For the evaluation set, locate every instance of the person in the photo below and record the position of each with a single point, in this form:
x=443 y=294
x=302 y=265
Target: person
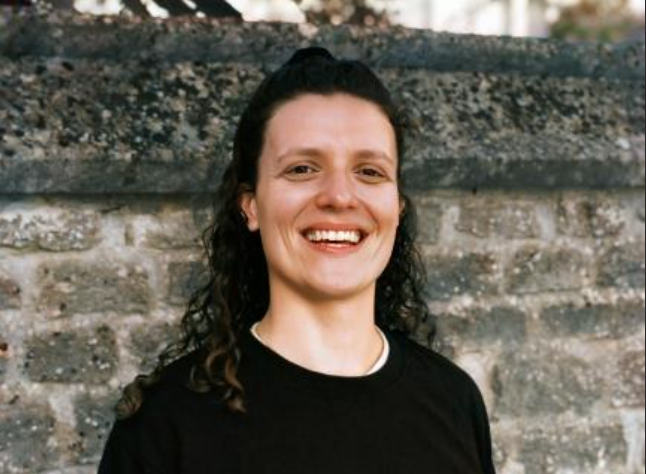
x=296 y=356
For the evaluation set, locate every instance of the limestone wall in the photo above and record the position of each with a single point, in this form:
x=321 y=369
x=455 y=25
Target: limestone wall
x=526 y=163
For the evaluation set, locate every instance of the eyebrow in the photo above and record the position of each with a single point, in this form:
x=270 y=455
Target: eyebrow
x=315 y=152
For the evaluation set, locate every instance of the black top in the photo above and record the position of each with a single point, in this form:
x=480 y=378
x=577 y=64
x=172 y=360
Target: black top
x=419 y=414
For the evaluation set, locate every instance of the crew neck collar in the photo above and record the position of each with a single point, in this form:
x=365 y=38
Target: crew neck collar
x=273 y=367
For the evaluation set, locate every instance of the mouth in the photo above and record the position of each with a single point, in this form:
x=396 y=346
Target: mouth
x=335 y=248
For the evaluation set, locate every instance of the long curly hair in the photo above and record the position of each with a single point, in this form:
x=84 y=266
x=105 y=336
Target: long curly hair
x=236 y=292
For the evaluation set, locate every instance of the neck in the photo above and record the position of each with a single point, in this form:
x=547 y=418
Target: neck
x=349 y=349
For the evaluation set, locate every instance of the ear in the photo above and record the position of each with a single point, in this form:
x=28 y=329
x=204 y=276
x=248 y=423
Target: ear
x=249 y=207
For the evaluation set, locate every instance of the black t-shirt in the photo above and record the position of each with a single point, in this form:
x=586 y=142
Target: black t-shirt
x=418 y=414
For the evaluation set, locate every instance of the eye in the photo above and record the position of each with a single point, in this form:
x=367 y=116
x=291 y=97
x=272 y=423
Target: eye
x=299 y=167
x=377 y=174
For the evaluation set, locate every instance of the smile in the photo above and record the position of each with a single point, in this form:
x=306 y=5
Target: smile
x=335 y=248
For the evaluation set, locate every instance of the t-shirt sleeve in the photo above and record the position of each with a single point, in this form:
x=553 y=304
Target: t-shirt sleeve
x=482 y=430
x=145 y=443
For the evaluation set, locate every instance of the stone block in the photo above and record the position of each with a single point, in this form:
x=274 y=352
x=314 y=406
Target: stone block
x=24 y=437
x=506 y=325
x=429 y=223
x=584 y=448
x=147 y=342
x=623 y=266
x=87 y=356
x=590 y=217
x=595 y=321
x=629 y=389
x=155 y=126
x=167 y=231
x=72 y=287
x=10 y=294
x=456 y=275
x=539 y=381
x=56 y=231
x=541 y=270
x=94 y=419
x=498 y=217
x=184 y=279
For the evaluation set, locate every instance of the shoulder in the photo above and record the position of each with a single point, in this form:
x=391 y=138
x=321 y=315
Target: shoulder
x=177 y=372
x=169 y=393
x=149 y=435
x=425 y=363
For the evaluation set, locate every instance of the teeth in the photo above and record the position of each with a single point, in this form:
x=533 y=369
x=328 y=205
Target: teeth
x=350 y=236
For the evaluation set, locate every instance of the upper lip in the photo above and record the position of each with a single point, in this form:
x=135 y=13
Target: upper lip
x=335 y=227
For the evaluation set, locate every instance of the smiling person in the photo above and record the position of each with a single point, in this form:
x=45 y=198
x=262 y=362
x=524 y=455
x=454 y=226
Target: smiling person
x=295 y=357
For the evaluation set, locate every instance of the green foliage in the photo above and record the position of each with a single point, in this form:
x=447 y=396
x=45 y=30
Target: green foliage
x=598 y=20
x=356 y=12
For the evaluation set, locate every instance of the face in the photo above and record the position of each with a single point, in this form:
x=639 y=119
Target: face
x=325 y=161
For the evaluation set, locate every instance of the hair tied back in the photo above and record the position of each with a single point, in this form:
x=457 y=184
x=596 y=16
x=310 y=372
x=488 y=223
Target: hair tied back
x=305 y=54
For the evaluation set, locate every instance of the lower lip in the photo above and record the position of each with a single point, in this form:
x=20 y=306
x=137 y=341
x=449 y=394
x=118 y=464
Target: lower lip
x=335 y=249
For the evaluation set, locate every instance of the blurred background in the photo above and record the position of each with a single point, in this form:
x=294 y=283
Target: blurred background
x=604 y=20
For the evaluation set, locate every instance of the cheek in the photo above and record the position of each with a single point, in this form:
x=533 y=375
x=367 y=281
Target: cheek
x=385 y=208
x=279 y=207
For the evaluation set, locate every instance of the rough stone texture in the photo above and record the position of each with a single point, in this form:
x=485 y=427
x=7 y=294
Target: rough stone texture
x=623 y=266
x=94 y=417
x=119 y=106
x=453 y=275
x=589 y=448
x=184 y=278
x=57 y=232
x=171 y=232
x=589 y=217
x=220 y=41
x=629 y=392
x=9 y=294
x=23 y=428
x=69 y=288
x=595 y=321
x=499 y=325
x=483 y=219
x=430 y=226
x=88 y=357
x=538 y=270
x=541 y=381
x=147 y=342
x=525 y=164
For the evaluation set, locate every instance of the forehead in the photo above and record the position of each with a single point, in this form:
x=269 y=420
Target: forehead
x=338 y=121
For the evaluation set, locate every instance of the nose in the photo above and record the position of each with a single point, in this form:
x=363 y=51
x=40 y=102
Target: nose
x=337 y=191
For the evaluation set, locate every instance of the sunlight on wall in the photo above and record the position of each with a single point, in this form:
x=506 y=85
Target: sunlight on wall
x=269 y=10
x=514 y=17
x=638 y=6
x=459 y=16
x=108 y=7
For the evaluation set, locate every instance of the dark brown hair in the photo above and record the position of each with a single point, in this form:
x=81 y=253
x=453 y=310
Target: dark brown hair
x=236 y=293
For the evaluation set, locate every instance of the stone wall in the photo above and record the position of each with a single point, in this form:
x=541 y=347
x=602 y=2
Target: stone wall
x=526 y=163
